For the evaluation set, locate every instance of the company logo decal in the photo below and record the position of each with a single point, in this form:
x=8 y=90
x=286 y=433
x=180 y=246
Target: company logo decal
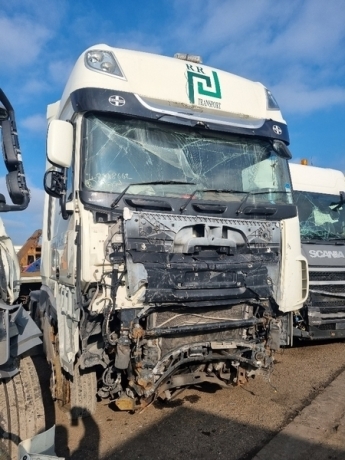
x=117 y=101
x=277 y=129
x=201 y=84
x=328 y=254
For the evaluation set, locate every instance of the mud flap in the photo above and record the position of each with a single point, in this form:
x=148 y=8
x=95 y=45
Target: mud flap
x=39 y=447
x=18 y=333
x=4 y=337
x=28 y=333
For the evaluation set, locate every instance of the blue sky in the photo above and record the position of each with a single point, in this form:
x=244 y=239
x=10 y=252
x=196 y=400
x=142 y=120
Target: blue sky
x=296 y=48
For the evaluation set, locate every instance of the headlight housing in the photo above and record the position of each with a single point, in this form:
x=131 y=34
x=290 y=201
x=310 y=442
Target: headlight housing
x=104 y=62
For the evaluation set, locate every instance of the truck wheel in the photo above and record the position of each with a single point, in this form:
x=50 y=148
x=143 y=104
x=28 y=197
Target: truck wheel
x=75 y=395
x=83 y=389
x=21 y=409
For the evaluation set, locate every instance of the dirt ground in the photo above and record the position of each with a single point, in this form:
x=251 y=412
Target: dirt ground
x=204 y=422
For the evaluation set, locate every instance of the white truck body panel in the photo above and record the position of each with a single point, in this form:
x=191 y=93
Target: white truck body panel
x=165 y=81
x=314 y=179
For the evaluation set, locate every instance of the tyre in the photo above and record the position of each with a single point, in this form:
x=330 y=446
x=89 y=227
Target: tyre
x=75 y=395
x=21 y=409
x=83 y=389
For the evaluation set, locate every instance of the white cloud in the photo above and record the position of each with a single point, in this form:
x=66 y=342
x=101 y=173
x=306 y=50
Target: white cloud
x=36 y=123
x=295 y=49
x=59 y=70
x=301 y=29
x=216 y=25
x=299 y=98
x=21 y=41
x=138 y=42
x=35 y=86
x=313 y=34
x=27 y=30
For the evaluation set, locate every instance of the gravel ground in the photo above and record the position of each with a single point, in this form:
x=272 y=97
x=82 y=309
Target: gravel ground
x=206 y=422
x=317 y=432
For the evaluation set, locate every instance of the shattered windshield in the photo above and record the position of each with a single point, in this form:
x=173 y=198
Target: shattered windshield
x=322 y=216
x=120 y=151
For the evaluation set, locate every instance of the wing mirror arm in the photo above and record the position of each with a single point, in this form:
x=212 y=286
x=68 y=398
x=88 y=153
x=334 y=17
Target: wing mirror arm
x=55 y=185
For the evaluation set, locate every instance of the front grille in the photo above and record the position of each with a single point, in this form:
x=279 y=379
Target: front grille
x=323 y=301
x=329 y=303
x=327 y=327
x=327 y=309
x=327 y=276
x=332 y=288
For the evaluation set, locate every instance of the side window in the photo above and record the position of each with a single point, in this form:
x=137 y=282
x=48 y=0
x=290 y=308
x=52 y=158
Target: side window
x=70 y=177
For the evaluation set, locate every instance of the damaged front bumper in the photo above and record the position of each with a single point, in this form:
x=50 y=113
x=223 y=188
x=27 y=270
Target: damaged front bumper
x=190 y=299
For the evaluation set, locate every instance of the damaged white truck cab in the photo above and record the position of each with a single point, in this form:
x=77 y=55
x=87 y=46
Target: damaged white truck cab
x=319 y=194
x=171 y=245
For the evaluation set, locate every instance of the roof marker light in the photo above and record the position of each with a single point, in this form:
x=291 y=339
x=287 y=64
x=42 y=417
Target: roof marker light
x=272 y=104
x=188 y=57
x=103 y=61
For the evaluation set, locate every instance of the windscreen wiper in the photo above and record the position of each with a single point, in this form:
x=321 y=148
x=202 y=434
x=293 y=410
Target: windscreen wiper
x=189 y=199
x=337 y=239
x=323 y=240
x=311 y=240
x=239 y=209
x=156 y=182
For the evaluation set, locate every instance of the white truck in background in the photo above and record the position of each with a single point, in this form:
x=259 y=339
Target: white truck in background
x=319 y=194
x=22 y=415
x=170 y=245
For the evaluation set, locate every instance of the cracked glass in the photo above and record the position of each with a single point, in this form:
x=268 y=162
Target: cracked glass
x=322 y=216
x=119 y=151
